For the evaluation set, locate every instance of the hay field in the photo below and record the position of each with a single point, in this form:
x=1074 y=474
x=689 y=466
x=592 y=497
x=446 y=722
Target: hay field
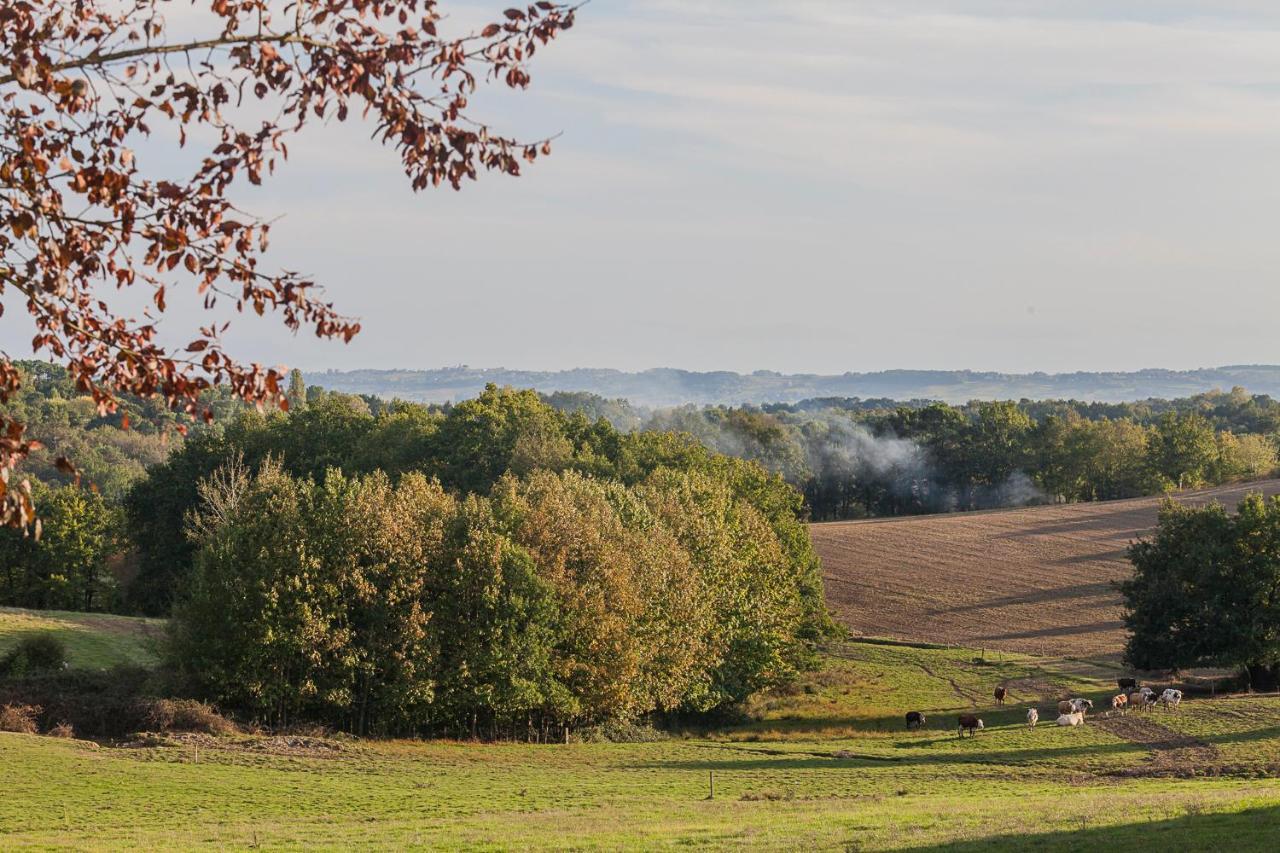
x=1035 y=580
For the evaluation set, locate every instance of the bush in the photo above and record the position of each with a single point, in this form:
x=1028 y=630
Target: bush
x=19 y=718
x=33 y=655
x=184 y=715
x=95 y=704
x=114 y=703
x=621 y=732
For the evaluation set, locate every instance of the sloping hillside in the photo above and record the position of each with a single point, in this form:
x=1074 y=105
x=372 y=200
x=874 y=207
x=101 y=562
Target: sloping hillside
x=1034 y=580
x=93 y=640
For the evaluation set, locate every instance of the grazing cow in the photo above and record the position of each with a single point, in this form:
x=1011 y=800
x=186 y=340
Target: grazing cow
x=915 y=719
x=1139 y=700
x=1000 y=694
x=969 y=723
x=1033 y=717
x=1171 y=698
x=1074 y=719
x=1147 y=691
x=1081 y=706
x=1119 y=702
x=1127 y=685
x=1064 y=707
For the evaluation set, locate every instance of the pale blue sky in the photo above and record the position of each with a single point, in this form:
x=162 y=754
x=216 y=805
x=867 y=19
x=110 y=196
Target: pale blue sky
x=828 y=185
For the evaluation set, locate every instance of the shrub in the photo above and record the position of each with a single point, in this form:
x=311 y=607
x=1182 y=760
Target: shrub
x=39 y=653
x=65 y=730
x=621 y=732
x=95 y=703
x=184 y=715
x=19 y=718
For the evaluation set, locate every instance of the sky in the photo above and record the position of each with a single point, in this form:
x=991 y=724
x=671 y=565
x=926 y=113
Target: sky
x=824 y=186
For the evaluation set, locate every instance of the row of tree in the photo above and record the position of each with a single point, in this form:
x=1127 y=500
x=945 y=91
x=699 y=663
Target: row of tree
x=470 y=569
x=395 y=606
x=852 y=463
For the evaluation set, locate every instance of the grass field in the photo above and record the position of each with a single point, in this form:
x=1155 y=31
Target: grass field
x=93 y=640
x=1036 y=580
x=825 y=764
x=822 y=764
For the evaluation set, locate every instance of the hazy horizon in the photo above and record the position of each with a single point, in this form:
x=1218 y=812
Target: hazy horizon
x=516 y=368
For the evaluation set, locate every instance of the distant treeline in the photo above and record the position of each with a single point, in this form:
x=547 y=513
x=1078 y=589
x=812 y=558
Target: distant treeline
x=855 y=458
x=663 y=387
x=845 y=458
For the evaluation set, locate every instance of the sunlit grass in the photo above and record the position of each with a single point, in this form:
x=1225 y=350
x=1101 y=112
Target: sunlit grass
x=825 y=765
x=93 y=640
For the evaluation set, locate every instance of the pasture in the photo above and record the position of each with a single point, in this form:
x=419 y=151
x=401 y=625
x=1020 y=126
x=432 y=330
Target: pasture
x=93 y=640
x=824 y=764
x=1036 y=580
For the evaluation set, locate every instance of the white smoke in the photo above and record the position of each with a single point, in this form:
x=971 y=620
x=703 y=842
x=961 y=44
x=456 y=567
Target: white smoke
x=830 y=446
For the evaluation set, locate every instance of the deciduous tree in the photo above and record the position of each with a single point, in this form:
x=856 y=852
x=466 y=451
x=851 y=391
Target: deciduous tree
x=1206 y=590
x=85 y=209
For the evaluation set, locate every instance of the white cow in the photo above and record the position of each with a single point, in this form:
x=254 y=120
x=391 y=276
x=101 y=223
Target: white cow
x=1073 y=719
x=1081 y=706
x=1171 y=698
x=1033 y=717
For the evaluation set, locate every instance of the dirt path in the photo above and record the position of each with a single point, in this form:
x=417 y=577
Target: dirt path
x=1172 y=753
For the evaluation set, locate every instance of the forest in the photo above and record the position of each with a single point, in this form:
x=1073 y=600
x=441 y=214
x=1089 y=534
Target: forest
x=122 y=542
x=854 y=458
x=412 y=570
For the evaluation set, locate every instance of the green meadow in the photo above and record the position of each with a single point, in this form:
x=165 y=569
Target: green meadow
x=93 y=640
x=824 y=764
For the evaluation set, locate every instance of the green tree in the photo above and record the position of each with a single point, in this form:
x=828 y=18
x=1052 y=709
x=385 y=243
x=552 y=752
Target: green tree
x=297 y=393
x=1206 y=590
x=67 y=568
x=997 y=443
x=498 y=431
x=1244 y=456
x=261 y=624
x=1184 y=449
x=503 y=624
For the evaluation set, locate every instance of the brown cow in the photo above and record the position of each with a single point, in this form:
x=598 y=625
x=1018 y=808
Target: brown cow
x=1119 y=701
x=1139 y=700
x=1000 y=694
x=969 y=723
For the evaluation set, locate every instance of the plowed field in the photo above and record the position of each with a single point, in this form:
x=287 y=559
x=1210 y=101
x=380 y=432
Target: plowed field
x=1035 y=580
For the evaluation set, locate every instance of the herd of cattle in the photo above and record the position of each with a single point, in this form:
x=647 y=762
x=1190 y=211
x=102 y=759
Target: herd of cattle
x=1071 y=712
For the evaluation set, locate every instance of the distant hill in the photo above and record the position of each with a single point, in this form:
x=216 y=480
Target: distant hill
x=669 y=387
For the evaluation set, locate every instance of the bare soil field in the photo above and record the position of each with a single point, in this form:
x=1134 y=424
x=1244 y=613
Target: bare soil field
x=1036 y=580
